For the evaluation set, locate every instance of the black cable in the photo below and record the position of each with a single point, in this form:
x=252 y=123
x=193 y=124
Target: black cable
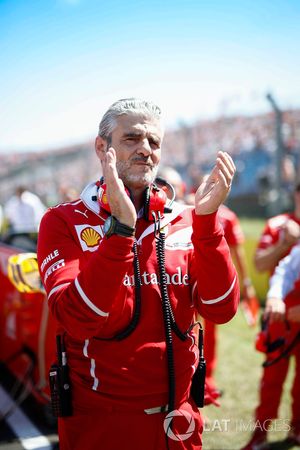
x=159 y=235
x=137 y=307
x=160 y=253
x=198 y=379
x=137 y=304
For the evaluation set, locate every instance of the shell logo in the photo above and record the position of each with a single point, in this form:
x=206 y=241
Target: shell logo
x=90 y=237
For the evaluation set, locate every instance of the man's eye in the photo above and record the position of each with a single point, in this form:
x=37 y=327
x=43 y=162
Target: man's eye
x=154 y=144
x=132 y=139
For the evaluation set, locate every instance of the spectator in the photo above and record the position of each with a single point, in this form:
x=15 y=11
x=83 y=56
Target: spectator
x=283 y=305
x=174 y=178
x=235 y=239
x=281 y=233
x=68 y=193
x=23 y=211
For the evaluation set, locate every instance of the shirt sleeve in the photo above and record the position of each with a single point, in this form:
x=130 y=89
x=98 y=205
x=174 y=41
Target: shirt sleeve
x=286 y=274
x=216 y=291
x=81 y=289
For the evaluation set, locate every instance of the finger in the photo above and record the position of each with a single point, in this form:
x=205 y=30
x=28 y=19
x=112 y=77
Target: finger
x=227 y=160
x=224 y=178
x=226 y=166
x=212 y=177
x=226 y=170
x=114 y=184
x=111 y=168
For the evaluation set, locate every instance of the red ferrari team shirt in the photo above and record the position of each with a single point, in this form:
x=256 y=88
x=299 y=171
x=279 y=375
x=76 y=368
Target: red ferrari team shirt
x=90 y=285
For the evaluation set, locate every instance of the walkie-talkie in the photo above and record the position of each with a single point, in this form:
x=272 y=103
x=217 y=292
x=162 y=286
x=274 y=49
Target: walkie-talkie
x=59 y=381
x=198 y=380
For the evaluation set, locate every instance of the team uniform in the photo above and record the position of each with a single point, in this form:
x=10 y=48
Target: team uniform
x=273 y=376
x=285 y=284
x=273 y=230
x=234 y=236
x=120 y=387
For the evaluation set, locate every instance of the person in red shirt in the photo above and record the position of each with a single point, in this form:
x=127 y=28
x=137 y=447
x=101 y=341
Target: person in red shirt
x=234 y=236
x=279 y=236
x=125 y=271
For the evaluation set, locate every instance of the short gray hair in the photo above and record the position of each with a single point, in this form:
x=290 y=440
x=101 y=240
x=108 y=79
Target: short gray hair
x=132 y=106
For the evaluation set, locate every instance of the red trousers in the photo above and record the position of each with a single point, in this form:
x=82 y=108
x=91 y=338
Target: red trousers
x=271 y=389
x=210 y=350
x=114 y=429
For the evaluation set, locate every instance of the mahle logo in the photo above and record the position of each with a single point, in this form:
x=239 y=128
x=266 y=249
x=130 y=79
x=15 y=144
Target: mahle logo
x=168 y=425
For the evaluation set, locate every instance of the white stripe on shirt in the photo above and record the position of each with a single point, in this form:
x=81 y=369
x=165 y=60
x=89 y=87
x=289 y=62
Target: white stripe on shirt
x=93 y=374
x=85 y=351
x=218 y=299
x=93 y=365
x=88 y=301
x=56 y=288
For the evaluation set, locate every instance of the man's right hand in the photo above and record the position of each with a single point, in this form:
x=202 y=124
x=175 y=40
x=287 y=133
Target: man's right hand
x=119 y=202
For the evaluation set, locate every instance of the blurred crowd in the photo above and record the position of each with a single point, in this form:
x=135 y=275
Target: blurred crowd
x=192 y=149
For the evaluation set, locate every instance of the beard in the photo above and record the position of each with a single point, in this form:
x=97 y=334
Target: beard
x=132 y=179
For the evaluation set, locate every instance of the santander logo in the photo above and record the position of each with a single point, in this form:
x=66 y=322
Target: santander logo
x=176 y=278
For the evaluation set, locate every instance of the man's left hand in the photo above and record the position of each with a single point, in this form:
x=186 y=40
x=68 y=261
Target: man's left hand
x=214 y=189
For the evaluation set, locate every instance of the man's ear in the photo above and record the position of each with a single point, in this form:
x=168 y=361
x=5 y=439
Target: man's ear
x=100 y=147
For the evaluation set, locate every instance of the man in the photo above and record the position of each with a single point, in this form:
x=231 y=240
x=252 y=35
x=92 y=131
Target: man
x=235 y=239
x=281 y=233
x=284 y=292
x=127 y=326
x=23 y=211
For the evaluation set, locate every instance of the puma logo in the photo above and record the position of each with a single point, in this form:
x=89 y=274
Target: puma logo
x=83 y=213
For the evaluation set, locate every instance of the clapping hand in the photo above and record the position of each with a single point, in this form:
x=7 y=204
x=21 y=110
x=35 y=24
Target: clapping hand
x=214 y=189
x=119 y=202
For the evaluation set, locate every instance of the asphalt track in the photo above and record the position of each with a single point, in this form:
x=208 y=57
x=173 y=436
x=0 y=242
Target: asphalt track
x=24 y=425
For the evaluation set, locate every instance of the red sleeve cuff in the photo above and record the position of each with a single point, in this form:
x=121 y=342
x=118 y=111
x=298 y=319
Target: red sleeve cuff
x=116 y=246
x=206 y=225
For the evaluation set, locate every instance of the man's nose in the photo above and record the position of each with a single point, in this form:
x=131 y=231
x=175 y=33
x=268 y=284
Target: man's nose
x=145 y=148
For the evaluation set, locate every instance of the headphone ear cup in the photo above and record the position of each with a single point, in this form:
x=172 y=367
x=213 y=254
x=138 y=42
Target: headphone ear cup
x=155 y=200
x=102 y=197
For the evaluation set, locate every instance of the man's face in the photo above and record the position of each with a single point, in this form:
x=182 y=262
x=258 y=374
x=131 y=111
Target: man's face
x=137 y=142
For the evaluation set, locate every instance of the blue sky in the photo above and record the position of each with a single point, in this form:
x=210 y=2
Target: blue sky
x=63 y=62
